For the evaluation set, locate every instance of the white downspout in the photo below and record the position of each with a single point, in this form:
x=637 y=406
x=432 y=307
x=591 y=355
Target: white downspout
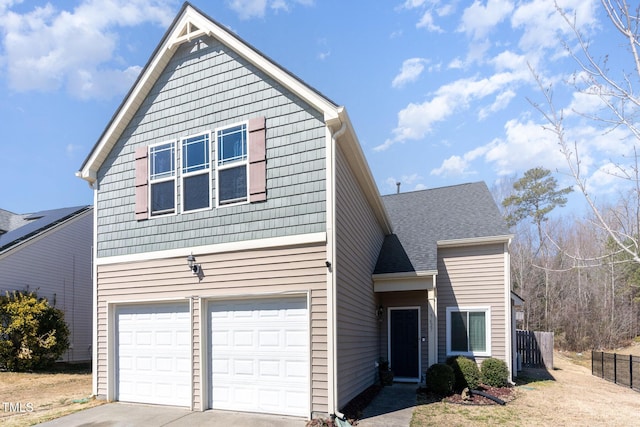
x=332 y=338
x=94 y=285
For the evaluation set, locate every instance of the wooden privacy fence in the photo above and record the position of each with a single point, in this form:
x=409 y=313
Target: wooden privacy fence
x=619 y=368
x=535 y=349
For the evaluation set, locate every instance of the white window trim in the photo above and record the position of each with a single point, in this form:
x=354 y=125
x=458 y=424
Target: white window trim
x=487 y=311
x=218 y=167
x=174 y=177
x=199 y=172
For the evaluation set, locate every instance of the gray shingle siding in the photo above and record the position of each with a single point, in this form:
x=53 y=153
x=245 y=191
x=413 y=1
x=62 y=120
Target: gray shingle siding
x=205 y=86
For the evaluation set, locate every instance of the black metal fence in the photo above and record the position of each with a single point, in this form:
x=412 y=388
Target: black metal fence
x=618 y=368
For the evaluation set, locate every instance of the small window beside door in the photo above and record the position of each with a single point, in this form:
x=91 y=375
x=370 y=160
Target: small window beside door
x=468 y=331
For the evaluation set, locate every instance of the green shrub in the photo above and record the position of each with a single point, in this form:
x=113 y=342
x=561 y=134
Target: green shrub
x=440 y=378
x=33 y=335
x=466 y=372
x=494 y=372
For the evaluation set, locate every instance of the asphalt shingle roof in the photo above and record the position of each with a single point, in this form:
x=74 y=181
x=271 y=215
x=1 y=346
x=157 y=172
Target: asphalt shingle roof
x=22 y=226
x=422 y=218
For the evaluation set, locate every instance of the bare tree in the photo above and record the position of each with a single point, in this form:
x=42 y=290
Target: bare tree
x=617 y=91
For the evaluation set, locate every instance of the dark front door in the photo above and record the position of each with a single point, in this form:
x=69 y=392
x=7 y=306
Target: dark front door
x=404 y=343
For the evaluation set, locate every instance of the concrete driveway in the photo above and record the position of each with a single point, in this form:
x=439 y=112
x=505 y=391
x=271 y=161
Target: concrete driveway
x=126 y=414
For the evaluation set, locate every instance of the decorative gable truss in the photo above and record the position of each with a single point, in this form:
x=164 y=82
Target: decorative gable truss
x=257 y=174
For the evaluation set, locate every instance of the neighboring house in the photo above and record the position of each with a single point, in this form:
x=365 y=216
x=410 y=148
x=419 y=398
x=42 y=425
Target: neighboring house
x=244 y=257
x=49 y=252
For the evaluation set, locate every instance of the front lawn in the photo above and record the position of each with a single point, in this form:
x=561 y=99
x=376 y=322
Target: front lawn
x=30 y=398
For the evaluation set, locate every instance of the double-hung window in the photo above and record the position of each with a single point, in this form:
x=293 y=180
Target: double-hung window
x=469 y=331
x=195 y=174
x=232 y=165
x=162 y=178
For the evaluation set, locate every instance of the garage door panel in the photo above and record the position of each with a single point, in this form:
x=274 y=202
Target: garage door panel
x=154 y=354
x=260 y=355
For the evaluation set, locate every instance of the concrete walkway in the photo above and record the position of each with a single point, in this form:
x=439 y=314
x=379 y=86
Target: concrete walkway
x=392 y=407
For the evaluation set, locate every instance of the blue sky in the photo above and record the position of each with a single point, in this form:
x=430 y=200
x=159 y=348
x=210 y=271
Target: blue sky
x=437 y=91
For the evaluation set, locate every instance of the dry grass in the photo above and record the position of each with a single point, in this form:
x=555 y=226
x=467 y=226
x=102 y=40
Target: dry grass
x=30 y=398
x=574 y=397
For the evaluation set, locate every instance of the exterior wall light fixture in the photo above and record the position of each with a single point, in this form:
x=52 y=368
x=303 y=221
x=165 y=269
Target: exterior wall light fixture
x=195 y=268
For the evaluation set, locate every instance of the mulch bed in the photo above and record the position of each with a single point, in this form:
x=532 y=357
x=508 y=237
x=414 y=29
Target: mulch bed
x=507 y=394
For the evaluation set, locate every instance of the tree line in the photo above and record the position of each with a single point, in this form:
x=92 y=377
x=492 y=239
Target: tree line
x=579 y=273
x=573 y=277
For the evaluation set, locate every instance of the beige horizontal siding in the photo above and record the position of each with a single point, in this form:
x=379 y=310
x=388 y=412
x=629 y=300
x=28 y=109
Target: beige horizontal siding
x=358 y=241
x=473 y=276
x=253 y=273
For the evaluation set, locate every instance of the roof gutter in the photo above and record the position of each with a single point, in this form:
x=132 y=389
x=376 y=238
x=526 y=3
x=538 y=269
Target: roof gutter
x=475 y=241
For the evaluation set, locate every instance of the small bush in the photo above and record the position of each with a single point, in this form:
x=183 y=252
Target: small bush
x=33 y=335
x=466 y=372
x=494 y=372
x=440 y=379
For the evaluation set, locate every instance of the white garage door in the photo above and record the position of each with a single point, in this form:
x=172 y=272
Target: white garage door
x=260 y=356
x=153 y=354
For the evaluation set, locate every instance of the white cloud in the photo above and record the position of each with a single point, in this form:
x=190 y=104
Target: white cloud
x=325 y=51
x=606 y=179
x=417 y=120
x=500 y=103
x=427 y=22
x=478 y=20
x=248 y=9
x=48 y=49
x=72 y=149
x=525 y=145
x=453 y=166
x=510 y=61
x=413 y=4
x=457 y=166
x=543 y=26
x=410 y=71
x=446 y=10
x=456 y=64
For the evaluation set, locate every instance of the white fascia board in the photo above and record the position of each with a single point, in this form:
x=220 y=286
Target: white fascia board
x=164 y=53
x=475 y=241
x=405 y=275
x=272 y=242
x=411 y=281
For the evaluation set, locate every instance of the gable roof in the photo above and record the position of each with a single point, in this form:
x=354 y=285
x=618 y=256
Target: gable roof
x=190 y=24
x=423 y=220
x=26 y=226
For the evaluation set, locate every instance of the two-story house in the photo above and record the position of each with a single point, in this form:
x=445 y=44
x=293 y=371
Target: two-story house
x=244 y=258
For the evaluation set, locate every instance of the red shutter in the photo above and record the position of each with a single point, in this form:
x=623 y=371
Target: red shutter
x=257 y=160
x=142 y=184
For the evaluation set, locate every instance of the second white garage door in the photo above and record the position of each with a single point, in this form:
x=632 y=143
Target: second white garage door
x=259 y=353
